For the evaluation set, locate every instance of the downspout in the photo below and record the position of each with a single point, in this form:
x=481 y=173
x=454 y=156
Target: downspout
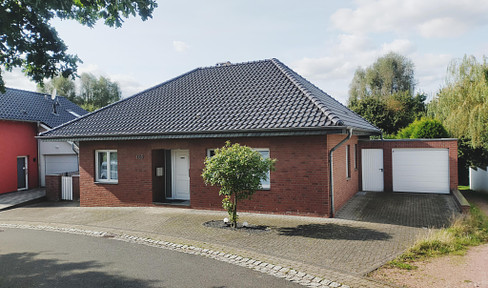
x=331 y=166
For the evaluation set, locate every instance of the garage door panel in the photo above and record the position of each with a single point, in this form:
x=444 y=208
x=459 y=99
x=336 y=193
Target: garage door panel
x=420 y=170
x=61 y=163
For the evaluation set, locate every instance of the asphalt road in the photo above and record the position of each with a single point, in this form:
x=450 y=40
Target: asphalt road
x=30 y=258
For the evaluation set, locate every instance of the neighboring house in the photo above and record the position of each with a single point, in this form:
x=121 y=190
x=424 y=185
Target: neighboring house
x=149 y=149
x=24 y=160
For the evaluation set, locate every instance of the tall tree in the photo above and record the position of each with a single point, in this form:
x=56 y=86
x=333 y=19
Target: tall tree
x=383 y=93
x=64 y=87
x=462 y=107
x=97 y=93
x=29 y=41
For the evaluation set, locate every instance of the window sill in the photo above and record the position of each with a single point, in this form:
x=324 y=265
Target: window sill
x=107 y=182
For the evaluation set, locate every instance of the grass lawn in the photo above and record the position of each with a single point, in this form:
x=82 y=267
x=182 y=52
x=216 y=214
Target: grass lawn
x=465 y=230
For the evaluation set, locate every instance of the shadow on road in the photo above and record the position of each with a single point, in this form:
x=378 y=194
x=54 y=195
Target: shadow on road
x=334 y=231
x=27 y=270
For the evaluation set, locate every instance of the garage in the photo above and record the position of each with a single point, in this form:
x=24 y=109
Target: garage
x=56 y=164
x=421 y=170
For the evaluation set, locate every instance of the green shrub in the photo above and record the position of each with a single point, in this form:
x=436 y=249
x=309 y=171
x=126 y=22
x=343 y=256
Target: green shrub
x=423 y=128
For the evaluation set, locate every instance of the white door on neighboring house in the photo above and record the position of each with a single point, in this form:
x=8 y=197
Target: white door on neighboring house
x=181 y=174
x=372 y=169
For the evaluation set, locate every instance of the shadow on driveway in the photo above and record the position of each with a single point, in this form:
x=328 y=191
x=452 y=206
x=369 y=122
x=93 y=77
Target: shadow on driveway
x=405 y=209
x=29 y=270
x=334 y=231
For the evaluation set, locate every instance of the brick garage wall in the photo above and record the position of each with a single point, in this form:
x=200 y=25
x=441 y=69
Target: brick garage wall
x=344 y=187
x=298 y=186
x=76 y=187
x=388 y=145
x=53 y=187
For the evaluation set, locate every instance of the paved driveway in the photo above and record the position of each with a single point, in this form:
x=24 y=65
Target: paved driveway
x=406 y=209
x=372 y=229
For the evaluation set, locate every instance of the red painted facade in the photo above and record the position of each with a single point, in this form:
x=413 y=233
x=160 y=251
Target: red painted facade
x=17 y=139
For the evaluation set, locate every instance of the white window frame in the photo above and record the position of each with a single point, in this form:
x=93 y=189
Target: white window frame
x=355 y=156
x=348 y=161
x=263 y=186
x=108 y=180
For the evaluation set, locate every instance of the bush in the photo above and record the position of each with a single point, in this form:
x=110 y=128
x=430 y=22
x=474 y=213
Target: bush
x=423 y=128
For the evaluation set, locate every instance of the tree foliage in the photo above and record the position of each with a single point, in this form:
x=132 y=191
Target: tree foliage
x=423 y=128
x=29 y=41
x=392 y=113
x=238 y=171
x=94 y=93
x=383 y=93
x=462 y=105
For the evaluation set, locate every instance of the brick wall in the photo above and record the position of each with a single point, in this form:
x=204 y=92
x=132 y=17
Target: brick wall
x=76 y=187
x=388 y=145
x=344 y=187
x=53 y=187
x=298 y=186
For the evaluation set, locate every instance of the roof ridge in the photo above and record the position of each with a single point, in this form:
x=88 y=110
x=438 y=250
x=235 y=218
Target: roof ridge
x=228 y=63
x=316 y=101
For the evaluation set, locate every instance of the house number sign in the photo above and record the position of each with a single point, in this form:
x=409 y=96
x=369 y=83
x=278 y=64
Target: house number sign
x=140 y=156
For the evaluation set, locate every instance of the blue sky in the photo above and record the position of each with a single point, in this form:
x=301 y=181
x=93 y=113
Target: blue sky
x=324 y=41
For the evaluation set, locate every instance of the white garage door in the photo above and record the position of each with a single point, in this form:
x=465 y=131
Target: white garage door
x=421 y=170
x=56 y=164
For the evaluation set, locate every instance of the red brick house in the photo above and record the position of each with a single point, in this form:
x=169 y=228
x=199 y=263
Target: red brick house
x=23 y=115
x=149 y=149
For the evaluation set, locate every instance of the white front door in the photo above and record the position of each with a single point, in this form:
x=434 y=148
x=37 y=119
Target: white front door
x=181 y=174
x=372 y=169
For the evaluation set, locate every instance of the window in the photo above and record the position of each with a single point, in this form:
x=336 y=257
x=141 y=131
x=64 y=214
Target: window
x=348 y=161
x=355 y=156
x=106 y=166
x=266 y=184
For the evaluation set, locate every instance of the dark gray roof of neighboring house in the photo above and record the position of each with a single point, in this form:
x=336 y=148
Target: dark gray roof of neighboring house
x=21 y=105
x=260 y=96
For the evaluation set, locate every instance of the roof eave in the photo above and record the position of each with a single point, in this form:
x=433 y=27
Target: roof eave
x=215 y=134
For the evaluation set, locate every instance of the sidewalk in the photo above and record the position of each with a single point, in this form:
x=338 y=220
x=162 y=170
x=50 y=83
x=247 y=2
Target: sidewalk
x=18 y=198
x=339 y=250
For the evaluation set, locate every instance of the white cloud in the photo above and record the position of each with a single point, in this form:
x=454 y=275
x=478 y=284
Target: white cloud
x=431 y=19
x=180 y=46
x=128 y=84
x=401 y=46
x=17 y=79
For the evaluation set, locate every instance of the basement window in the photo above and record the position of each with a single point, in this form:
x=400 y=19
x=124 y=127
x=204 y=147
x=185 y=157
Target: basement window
x=106 y=166
x=266 y=183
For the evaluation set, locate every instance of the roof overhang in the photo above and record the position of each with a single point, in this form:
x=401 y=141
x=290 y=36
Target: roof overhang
x=214 y=134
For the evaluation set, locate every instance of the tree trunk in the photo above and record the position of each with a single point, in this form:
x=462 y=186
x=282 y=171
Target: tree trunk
x=234 y=213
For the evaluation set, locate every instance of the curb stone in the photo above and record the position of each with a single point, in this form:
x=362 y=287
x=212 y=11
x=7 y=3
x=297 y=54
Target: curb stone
x=289 y=274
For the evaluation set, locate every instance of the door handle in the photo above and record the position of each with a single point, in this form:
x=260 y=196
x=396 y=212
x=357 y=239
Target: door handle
x=381 y=169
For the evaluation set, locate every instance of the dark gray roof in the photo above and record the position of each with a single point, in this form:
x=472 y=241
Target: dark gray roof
x=252 y=97
x=23 y=105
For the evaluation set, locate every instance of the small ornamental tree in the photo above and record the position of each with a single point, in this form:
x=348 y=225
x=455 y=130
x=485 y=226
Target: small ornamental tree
x=423 y=128
x=238 y=171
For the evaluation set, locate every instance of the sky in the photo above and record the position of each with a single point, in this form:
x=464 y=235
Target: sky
x=324 y=41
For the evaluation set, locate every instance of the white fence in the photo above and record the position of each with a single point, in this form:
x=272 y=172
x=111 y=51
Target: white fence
x=478 y=179
x=66 y=188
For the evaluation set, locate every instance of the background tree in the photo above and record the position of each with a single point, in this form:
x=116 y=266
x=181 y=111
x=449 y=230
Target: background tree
x=238 y=171
x=93 y=93
x=383 y=93
x=462 y=106
x=29 y=41
x=64 y=87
